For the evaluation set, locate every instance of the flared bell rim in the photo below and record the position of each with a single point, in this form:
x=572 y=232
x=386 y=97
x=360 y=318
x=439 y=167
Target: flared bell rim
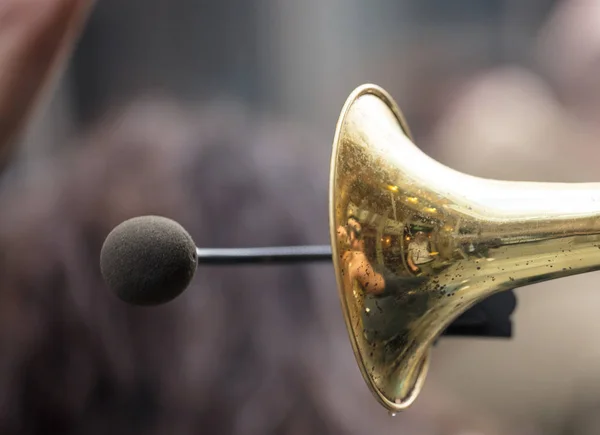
x=423 y=367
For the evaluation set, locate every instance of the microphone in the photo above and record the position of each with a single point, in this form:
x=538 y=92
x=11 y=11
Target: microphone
x=151 y=260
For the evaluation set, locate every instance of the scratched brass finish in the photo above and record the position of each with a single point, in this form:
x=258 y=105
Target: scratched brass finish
x=439 y=240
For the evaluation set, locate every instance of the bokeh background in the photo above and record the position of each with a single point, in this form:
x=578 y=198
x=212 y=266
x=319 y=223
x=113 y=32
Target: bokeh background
x=498 y=88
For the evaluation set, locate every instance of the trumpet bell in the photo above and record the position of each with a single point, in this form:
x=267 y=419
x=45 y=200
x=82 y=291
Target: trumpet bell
x=415 y=244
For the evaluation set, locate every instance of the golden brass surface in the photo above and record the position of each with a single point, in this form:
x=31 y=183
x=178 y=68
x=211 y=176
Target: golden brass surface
x=415 y=243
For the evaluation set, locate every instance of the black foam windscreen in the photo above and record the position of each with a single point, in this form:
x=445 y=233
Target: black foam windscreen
x=148 y=260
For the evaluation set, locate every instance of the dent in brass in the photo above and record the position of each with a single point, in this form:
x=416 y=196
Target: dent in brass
x=415 y=243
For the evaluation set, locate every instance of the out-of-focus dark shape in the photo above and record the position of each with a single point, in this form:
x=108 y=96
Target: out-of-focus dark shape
x=35 y=37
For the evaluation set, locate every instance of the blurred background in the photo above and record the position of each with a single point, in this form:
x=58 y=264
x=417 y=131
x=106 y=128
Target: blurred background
x=498 y=88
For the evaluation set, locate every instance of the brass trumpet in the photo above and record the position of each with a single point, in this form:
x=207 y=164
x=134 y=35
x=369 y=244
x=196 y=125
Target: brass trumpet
x=415 y=243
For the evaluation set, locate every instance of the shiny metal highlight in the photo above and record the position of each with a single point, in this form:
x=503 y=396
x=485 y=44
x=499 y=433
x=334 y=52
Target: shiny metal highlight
x=415 y=243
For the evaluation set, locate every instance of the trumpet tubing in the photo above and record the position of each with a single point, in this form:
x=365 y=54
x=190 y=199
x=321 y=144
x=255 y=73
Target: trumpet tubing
x=415 y=244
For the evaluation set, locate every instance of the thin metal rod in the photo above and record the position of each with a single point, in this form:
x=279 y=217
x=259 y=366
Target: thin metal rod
x=268 y=255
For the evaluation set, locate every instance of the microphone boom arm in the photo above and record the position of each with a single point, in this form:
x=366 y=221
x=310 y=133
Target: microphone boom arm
x=266 y=255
